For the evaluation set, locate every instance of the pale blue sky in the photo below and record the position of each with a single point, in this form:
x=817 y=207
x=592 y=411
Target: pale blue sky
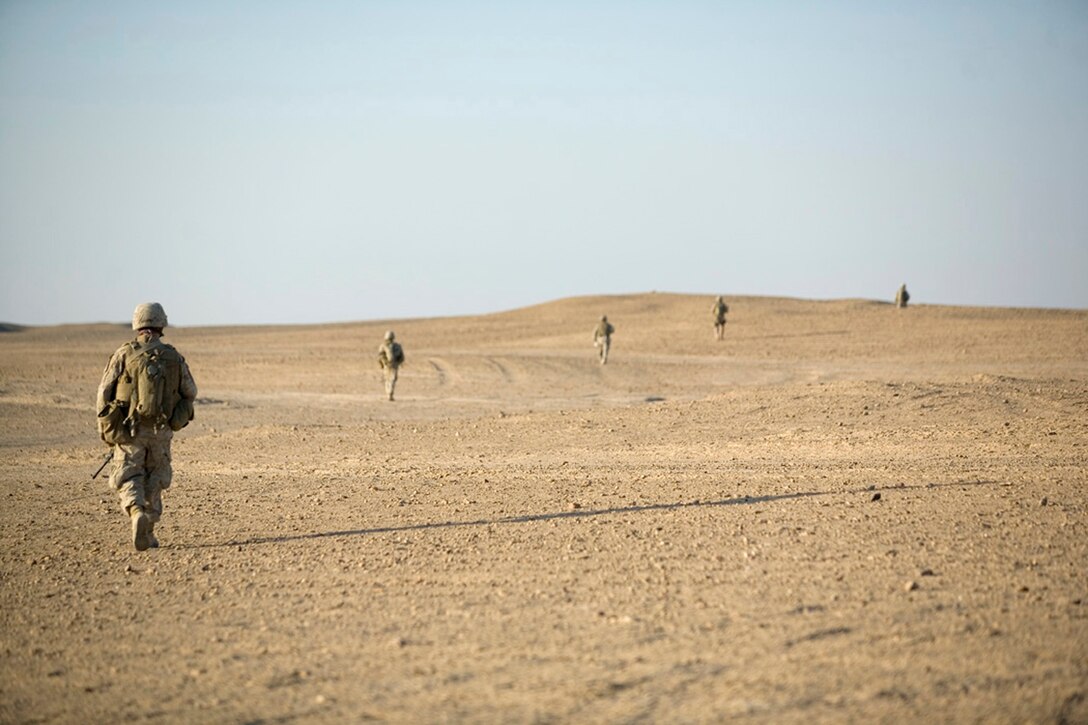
x=274 y=162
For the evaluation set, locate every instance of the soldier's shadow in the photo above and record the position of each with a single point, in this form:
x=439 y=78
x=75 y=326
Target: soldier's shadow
x=579 y=513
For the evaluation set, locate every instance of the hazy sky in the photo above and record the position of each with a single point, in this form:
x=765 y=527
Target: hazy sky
x=247 y=162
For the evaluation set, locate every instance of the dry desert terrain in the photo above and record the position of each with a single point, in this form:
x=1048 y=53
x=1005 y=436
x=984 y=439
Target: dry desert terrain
x=842 y=512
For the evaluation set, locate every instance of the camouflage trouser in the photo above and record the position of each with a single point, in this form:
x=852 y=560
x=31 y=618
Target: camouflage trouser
x=141 y=470
x=603 y=343
x=719 y=328
x=390 y=373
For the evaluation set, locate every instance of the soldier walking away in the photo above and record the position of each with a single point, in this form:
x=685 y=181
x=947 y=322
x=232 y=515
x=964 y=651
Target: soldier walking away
x=390 y=358
x=602 y=338
x=902 y=297
x=146 y=394
x=718 y=310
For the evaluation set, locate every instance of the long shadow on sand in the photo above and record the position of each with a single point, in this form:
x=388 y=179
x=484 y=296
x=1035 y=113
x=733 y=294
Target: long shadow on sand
x=573 y=514
x=821 y=333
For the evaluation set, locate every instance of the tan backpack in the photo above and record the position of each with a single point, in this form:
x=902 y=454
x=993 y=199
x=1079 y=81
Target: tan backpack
x=149 y=390
x=391 y=354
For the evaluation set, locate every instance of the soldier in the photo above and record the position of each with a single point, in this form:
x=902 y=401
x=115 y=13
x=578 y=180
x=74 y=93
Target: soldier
x=901 y=296
x=390 y=358
x=718 y=310
x=146 y=394
x=602 y=338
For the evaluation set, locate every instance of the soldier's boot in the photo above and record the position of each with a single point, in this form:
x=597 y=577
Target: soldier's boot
x=140 y=526
x=151 y=540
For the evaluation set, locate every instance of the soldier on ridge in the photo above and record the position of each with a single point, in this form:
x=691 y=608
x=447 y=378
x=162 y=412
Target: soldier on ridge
x=390 y=358
x=602 y=338
x=902 y=296
x=146 y=394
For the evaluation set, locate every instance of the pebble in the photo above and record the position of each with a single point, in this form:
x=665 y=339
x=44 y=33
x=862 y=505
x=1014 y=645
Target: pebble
x=1043 y=502
x=910 y=586
x=876 y=497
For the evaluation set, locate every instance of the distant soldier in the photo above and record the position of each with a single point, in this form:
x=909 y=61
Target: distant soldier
x=390 y=358
x=602 y=338
x=902 y=297
x=146 y=394
x=718 y=310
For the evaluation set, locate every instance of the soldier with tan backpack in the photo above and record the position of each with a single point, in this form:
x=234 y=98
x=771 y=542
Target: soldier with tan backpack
x=718 y=311
x=390 y=358
x=146 y=394
x=602 y=338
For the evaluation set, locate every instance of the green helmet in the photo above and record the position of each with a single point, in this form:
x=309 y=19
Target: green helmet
x=148 y=314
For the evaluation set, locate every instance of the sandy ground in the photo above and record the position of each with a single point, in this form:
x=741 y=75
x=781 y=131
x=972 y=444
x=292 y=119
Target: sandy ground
x=843 y=512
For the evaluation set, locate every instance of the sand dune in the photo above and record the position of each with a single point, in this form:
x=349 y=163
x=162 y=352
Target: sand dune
x=844 y=511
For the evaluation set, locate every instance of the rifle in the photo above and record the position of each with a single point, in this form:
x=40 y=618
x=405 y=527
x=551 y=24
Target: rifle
x=109 y=457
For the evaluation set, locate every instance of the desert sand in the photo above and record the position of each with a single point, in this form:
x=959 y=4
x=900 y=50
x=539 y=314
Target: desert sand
x=841 y=512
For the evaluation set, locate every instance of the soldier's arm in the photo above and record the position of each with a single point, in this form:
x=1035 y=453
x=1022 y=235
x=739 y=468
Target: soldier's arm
x=188 y=385
x=108 y=387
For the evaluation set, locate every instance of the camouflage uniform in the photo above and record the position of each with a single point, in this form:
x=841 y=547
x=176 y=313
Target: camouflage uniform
x=602 y=338
x=718 y=310
x=141 y=464
x=390 y=358
x=902 y=296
